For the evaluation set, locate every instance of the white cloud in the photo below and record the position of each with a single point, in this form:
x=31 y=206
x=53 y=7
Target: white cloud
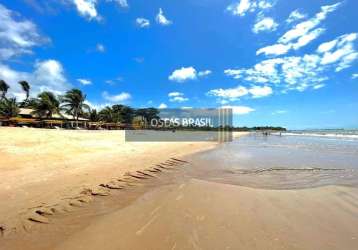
x=204 y=73
x=121 y=3
x=177 y=97
x=276 y=49
x=258 y=91
x=18 y=36
x=121 y=97
x=340 y=50
x=307 y=38
x=162 y=106
x=173 y=94
x=287 y=72
x=48 y=75
x=319 y=86
x=355 y=76
x=231 y=94
x=142 y=22
x=300 y=35
x=239 y=110
x=100 y=48
x=186 y=107
x=187 y=73
x=87 y=8
x=279 y=112
x=294 y=16
x=161 y=19
x=242 y=7
x=183 y=74
x=84 y=81
x=304 y=27
x=265 y=24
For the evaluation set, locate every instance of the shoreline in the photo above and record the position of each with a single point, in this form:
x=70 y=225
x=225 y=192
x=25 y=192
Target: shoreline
x=169 y=206
x=48 y=171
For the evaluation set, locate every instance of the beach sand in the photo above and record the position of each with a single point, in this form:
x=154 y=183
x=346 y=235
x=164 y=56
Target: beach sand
x=171 y=210
x=207 y=215
x=46 y=168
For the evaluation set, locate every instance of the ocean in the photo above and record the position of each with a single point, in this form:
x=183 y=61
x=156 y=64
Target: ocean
x=293 y=159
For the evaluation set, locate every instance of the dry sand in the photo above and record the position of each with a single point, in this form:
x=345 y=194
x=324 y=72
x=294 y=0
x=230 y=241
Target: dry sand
x=40 y=167
x=47 y=167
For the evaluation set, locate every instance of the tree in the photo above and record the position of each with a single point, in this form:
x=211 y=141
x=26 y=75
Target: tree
x=46 y=105
x=4 y=87
x=93 y=116
x=74 y=103
x=148 y=113
x=9 y=108
x=123 y=113
x=106 y=114
x=26 y=88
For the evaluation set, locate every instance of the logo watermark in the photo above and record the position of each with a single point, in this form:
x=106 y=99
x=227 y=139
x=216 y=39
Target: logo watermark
x=183 y=125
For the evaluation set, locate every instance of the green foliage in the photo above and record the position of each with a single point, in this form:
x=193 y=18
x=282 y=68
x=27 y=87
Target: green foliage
x=46 y=105
x=26 y=88
x=4 y=87
x=9 y=108
x=74 y=103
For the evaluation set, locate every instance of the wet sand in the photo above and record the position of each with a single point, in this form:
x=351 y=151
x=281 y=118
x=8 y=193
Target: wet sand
x=206 y=215
x=57 y=169
x=197 y=203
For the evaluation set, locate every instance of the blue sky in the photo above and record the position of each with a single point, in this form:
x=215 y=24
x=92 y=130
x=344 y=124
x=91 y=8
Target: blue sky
x=287 y=63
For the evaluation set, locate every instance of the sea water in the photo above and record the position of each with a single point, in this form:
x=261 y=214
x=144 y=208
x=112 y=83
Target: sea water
x=279 y=161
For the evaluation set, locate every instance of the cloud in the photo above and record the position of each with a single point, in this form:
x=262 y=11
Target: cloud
x=340 y=50
x=161 y=19
x=276 y=49
x=319 y=86
x=100 y=48
x=242 y=7
x=121 y=3
x=233 y=94
x=239 y=110
x=279 y=112
x=18 y=36
x=186 y=107
x=300 y=35
x=295 y=16
x=355 y=76
x=258 y=91
x=142 y=22
x=304 y=27
x=177 y=97
x=162 y=106
x=204 y=73
x=183 y=74
x=302 y=72
x=84 y=81
x=87 y=9
x=121 y=97
x=187 y=73
x=48 y=75
x=265 y=24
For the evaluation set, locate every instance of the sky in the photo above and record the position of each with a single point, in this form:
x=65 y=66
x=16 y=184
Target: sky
x=275 y=62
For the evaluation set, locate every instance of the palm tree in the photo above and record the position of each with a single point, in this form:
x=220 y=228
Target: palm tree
x=74 y=103
x=93 y=115
x=9 y=108
x=46 y=105
x=26 y=88
x=106 y=114
x=4 y=87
